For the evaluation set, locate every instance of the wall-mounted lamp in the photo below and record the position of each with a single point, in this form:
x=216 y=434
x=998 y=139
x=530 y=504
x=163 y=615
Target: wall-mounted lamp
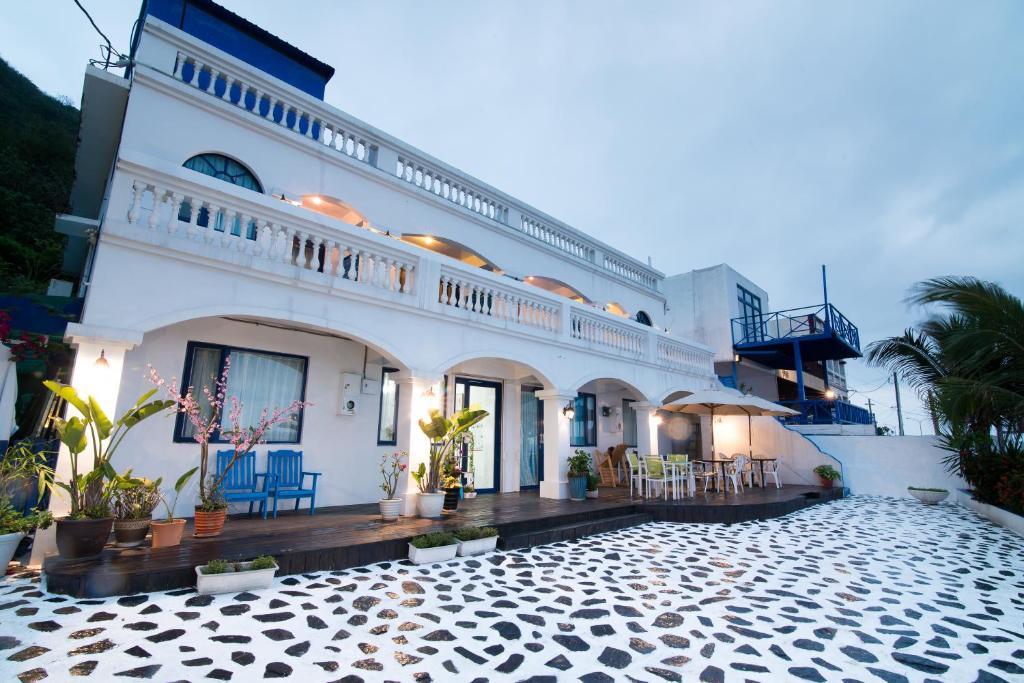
x=657 y=419
x=102 y=361
x=829 y=394
x=569 y=410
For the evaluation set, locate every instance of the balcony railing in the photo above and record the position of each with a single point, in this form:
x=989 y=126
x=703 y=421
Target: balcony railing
x=180 y=209
x=823 y=411
x=222 y=77
x=793 y=324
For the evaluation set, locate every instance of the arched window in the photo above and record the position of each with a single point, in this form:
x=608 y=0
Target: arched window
x=227 y=169
x=224 y=168
x=643 y=318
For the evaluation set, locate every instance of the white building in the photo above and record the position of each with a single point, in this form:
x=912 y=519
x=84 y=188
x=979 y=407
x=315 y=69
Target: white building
x=225 y=209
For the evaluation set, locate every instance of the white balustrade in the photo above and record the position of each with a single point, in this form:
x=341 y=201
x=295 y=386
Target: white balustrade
x=595 y=330
x=557 y=238
x=489 y=300
x=630 y=272
x=680 y=356
x=456 y=191
x=225 y=229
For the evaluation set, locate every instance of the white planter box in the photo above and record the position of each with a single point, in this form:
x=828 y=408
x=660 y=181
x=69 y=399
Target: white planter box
x=431 y=555
x=234 y=582
x=592 y=494
x=8 y=544
x=477 y=546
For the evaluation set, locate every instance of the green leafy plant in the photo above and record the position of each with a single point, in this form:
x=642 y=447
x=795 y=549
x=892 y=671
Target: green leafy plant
x=827 y=472
x=263 y=562
x=89 y=497
x=134 y=497
x=445 y=437
x=433 y=540
x=579 y=464
x=592 y=482
x=179 y=486
x=473 y=533
x=216 y=567
x=12 y=521
x=21 y=464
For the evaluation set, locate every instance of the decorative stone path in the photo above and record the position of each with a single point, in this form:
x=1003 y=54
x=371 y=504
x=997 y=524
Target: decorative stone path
x=863 y=589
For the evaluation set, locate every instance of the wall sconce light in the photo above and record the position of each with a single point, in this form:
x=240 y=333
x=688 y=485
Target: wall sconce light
x=829 y=394
x=657 y=420
x=102 y=361
x=569 y=410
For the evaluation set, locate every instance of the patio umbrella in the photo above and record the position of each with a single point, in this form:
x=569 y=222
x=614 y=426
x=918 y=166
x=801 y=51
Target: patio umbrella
x=761 y=407
x=714 y=402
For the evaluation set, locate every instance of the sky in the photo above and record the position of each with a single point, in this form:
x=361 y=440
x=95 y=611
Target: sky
x=882 y=139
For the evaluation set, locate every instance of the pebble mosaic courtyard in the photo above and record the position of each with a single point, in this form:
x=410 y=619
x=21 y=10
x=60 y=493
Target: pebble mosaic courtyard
x=863 y=589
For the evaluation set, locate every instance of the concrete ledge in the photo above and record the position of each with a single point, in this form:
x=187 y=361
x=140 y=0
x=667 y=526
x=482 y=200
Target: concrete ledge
x=1004 y=518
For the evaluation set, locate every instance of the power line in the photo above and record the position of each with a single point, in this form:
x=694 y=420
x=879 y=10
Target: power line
x=106 y=51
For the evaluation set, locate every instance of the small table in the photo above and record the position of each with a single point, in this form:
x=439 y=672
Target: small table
x=761 y=460
x=723 y=462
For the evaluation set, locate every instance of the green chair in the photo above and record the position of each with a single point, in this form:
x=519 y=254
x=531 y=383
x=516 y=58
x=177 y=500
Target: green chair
x=657 y=473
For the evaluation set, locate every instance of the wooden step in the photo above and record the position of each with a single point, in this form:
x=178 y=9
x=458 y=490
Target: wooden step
x=540 y=535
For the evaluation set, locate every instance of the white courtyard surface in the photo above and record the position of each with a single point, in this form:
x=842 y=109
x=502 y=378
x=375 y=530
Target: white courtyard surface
x=864 y=589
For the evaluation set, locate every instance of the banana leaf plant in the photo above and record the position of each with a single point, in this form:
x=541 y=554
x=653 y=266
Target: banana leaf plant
x=445 y=437
x=89 y=496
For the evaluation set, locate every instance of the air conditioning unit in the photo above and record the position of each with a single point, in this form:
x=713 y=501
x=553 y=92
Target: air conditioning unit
x=350 y=394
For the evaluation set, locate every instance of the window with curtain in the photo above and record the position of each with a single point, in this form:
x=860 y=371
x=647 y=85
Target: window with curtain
x=387 y=419
x=259 y=379
x=628 y=423
x=584 y=422
x=230 y=171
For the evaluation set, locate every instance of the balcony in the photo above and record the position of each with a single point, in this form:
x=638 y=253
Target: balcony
x=781 y=338
x=823 y=411
x=223 y=81
x=173 y=209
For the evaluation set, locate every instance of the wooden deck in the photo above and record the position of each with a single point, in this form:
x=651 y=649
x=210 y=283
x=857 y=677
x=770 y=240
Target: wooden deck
x=353 y=535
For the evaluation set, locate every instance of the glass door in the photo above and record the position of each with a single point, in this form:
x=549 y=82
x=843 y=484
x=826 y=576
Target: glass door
x=482 y=461
x=531 y=453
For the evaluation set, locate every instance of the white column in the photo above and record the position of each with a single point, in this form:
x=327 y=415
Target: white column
x=511 y=435
x=555 y=482
x=647 y=422
x=101 y=381
x=414 y=404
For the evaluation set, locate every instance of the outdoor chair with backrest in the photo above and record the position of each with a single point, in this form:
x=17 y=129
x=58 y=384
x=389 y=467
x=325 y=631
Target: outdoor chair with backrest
x=242 y=483
x=603 y=467
x=734 y=473
x=683 y=472
x=747 y=472
x=290 y=479
x=635 y=473
x=656 y=473
x=770 y=468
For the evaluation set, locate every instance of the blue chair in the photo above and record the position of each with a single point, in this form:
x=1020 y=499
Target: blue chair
x=242 y=483
x=290 y=479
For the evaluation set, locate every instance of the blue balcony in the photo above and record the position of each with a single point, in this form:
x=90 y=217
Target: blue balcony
x=784 y=339
x=823 y=411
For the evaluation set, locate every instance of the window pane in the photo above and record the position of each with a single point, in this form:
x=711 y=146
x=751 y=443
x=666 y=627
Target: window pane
x=388 y=419
x=205 y=372
x=583 y=431
x=628 y=423
x=263 y=380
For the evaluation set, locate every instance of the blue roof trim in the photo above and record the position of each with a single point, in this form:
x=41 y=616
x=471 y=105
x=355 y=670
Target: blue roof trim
x=244 y=40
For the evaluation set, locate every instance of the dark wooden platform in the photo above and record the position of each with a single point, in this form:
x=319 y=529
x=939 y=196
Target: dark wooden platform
x=353 y=535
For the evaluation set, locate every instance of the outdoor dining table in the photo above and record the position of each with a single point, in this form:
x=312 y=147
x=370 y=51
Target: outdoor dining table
x=761 y=460
x=718 y=461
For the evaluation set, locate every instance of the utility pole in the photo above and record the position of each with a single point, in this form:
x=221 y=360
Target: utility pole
x=871 y=412
x=899 y=407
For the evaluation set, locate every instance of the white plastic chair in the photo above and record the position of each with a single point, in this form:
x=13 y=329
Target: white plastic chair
x=746 y=470
x=771 y=469
x=635 y=473
x=681 y=472
x=734 y=474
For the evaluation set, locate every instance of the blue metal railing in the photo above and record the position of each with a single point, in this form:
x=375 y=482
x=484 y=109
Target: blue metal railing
x=823 y=411
x=795 y=323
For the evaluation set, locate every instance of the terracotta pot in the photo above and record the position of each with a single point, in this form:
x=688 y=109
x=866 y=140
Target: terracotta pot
x=209 y=523
x=167 y=534
x=827 y=483
x=129 y=533
x=78 y=538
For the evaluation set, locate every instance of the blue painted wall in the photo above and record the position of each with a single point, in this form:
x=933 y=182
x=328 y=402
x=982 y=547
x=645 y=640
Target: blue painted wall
x=244 y=40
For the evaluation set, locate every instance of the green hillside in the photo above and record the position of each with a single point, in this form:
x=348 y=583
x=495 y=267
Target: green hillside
x=38 y=136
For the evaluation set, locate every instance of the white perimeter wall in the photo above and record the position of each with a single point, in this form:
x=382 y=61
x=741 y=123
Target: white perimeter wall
x=887 y=465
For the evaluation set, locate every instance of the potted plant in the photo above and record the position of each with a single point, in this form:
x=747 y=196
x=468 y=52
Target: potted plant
x=85 y=530
x=222 y=576
x=452 y=487
x=391 y=467
x=475 y=540
x=445 y=437
x=469 y=491
x=133 y=502
x=592 y=482
x=14 y=526
x=205 y=417
x=24 y=477
x=827 y=474
x=928 y=496
x=168 y=532
x=439 y=546
x=579 y=469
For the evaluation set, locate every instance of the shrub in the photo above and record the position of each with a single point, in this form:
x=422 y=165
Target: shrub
x=216 y=567
x=433 y=540
x=12 y=521
x=263 y=562
x=827 y=472
x=592 y=482
x=473 y=533
x=579 y=464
